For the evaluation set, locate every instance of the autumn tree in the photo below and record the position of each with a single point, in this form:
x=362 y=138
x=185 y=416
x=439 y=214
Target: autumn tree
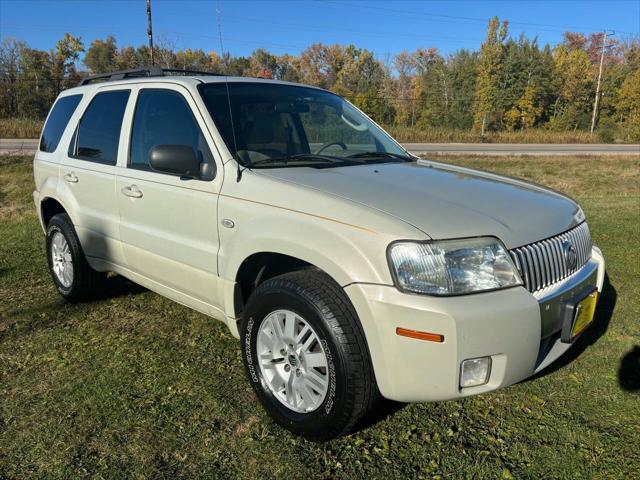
x=487 y=92
x=11 y=51
x=38 y=88
x=572 y=70
x=463 y=72
x=629 y=106
x=101 y=55
x=362 y=81
x=525 y=112
x=434 y=97
x=63 y=59
x=320 y=64
x=404 y=100
x=263 y=64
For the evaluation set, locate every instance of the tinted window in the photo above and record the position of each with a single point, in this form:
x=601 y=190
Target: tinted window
x=98 y=132
x=57 y=122
x=163 y=117
x=266 y=124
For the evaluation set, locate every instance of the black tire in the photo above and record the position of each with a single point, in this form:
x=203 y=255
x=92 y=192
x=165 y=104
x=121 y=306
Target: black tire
x=86 y=281
x=352 y=391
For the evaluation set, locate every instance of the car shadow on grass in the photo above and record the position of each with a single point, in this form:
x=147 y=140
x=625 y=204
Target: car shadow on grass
x=629 y=370
x=115 y=286
x=604 y=312
x=383 y=409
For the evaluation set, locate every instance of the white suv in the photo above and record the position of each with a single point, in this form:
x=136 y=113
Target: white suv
x=348 y=268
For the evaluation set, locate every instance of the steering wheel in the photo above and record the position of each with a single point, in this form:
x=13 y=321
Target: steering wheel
x=329 y=144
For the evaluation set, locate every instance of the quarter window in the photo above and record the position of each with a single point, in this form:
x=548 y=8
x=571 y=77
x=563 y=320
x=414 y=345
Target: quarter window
x=57 y=122
x=163 y=117
x=98 y=133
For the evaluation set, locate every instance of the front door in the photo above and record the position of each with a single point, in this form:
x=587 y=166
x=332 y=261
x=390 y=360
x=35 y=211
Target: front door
x=168 y=224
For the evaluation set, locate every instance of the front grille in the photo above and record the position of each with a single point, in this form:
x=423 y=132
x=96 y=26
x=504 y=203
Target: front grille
x=544 y=263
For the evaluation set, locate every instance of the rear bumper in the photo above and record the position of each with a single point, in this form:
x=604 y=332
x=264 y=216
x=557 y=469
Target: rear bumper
x=512 y=326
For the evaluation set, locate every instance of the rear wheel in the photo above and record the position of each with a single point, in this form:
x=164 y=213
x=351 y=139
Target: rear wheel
x=306 y=356
x=71 y=274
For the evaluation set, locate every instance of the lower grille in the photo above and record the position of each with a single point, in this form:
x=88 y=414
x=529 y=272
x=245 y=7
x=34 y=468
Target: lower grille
x=548 y=261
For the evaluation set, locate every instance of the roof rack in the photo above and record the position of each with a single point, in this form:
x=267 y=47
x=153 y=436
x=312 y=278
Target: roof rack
x=140 y=72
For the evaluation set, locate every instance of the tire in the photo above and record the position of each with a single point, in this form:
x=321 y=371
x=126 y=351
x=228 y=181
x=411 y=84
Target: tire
x=309 y=298
x=79 y=282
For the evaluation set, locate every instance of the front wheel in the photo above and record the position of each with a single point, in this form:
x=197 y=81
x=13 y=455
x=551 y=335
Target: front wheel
x=306 y=355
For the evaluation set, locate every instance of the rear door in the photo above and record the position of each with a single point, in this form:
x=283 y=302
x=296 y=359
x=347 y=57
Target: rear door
x=88 y=173
x=168 y=224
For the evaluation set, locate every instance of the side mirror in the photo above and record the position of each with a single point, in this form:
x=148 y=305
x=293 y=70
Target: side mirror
x=175 y=159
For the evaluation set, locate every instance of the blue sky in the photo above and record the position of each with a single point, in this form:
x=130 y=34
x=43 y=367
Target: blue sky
x=386 y=27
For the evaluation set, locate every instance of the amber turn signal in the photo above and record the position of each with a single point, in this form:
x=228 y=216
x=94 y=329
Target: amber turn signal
x=431 y=337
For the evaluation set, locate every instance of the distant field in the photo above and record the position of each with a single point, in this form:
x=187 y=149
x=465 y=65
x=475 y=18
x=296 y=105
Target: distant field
x=135 y=386
x=534 y=135
x=30 y=128
x=20 y=128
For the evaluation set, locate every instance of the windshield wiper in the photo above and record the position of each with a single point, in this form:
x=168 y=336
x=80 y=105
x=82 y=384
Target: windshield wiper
x=365 y=155
x=302 y=156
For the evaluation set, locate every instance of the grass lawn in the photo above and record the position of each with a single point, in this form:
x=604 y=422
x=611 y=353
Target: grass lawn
x=135 y=386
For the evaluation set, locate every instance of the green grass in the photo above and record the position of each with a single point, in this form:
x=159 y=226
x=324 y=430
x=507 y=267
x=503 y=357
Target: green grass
x=448 y=135
x=135 y=386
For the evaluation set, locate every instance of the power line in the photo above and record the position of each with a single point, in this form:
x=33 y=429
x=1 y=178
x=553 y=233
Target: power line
x=450 y=18
x=372 y=33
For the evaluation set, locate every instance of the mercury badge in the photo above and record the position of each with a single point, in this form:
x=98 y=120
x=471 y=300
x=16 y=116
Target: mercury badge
x=570 y=254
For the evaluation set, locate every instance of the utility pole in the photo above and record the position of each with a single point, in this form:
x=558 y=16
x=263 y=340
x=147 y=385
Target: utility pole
x=595 y=102
x=150 y=30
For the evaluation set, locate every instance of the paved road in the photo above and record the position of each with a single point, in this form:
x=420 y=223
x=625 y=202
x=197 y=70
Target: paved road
x=28 y=146
x=522 y=149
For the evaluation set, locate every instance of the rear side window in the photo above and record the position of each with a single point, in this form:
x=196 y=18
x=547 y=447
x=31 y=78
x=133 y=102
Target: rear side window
x=163 y=117
x=57 y=122
x=98 y=133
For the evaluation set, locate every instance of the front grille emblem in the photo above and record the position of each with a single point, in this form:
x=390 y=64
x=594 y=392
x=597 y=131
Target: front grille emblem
x=570 y=254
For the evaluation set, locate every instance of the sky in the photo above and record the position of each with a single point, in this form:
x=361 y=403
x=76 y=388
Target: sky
x=288 y=26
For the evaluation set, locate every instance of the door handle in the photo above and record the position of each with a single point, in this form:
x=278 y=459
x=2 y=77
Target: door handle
x=71 y=178
x=132 y=191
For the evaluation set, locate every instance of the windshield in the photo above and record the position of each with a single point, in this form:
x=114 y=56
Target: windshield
x=274 y=125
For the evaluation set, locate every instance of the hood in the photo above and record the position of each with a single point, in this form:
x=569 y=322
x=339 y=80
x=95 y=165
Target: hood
x=446 y=201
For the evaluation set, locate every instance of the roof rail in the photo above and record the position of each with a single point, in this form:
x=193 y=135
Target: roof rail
x=140 y=72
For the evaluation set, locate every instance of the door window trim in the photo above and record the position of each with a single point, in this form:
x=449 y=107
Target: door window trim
x=73 y=144
x=146 y=167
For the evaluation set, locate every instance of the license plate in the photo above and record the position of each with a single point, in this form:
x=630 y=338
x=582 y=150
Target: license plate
x=580 y=315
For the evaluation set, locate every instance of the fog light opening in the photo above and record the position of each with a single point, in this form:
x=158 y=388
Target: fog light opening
x=475 y=372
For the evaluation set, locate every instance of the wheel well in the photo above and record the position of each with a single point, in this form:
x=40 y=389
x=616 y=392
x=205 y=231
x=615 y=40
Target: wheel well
x=260 y=267
x=48 y=208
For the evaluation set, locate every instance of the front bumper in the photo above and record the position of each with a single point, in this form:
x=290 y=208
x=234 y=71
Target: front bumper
x=517 y=329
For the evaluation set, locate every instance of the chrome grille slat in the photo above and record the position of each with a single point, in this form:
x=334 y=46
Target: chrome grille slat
x=543 y=263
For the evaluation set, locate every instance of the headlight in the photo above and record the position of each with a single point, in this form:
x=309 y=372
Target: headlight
x=452 y=267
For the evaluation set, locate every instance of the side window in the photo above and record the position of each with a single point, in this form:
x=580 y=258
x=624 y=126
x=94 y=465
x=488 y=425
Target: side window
x=57 y=122
x=163 y=117
x=98 y=133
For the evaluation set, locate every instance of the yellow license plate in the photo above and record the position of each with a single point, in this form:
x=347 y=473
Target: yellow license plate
x=584 y=313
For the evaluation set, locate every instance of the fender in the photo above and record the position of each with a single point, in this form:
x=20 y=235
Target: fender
x=335 y=250
x=50 y=189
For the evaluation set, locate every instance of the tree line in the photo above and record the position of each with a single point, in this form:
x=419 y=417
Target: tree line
x=507 y=84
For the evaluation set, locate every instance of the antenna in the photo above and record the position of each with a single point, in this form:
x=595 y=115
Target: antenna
x=241 y=167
